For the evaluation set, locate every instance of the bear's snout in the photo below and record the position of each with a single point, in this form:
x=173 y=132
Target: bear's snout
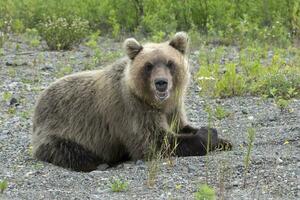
x=161 y=84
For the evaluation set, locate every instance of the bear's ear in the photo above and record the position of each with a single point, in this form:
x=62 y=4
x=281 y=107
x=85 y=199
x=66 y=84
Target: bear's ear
x=180 y=42
x=132 y=47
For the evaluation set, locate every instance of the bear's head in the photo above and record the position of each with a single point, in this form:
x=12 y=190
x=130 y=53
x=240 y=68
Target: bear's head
x=158 y=72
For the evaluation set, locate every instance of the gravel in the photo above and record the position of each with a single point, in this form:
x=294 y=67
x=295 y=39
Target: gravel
x=274 y=171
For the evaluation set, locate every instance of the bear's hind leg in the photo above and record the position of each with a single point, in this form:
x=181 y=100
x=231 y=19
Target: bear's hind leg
x=68 y=154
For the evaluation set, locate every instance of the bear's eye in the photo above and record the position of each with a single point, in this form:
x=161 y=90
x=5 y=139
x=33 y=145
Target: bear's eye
x=171 y=64
x=148 y=67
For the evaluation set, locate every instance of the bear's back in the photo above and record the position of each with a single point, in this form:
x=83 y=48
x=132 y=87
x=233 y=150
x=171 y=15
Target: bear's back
x=80 y=106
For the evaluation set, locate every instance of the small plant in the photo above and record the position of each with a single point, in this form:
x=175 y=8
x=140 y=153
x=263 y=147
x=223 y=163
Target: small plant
x=12 y=72
x=3 y=186
x=113 y=22
x=205 y=192
x=231 y=83
x=11 y=110
x=38 y=165
x=30 y=148
x=65 y=71
x=110 y=56
x=282 y=103
x=32 y=37
x=158 y=36
x=119 y=186
x=62 y=34
x=93 y=44
x=224 y=171
x=221 y=113
x=25 y=115
x=251 y=136
x=209 y=111
x=6 y=96
x=3 y=38
x=153 y=164
x=17 y=26
x=92 y=40
x=178 y=186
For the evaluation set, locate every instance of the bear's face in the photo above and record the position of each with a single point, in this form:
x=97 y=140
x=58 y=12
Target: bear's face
x=158 y=72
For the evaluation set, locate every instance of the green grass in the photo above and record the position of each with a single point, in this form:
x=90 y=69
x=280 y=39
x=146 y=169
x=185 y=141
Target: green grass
x=32 y=37
x=6 y=96
x=252 y=73
x=213 y=21
x=11 y=110
x=220 y=112
x=64 y=70
x=119 y=185
x=205 y=192
x=12 y=72
x=247 y=159
x=3 y=186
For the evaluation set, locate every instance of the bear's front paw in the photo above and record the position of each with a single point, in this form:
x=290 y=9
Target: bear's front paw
x=199 y=143
x=223 y=145
x=190 y=145
x=188 y=130
x=209 y=137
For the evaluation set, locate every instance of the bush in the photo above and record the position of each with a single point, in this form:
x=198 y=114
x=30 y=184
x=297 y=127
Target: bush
x=253 y=73
x=61 y=33
x=205 y=192
x=119 y=185
x=224 y=21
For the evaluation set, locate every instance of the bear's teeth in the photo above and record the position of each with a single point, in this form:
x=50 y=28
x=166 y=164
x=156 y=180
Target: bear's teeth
x=162 y=95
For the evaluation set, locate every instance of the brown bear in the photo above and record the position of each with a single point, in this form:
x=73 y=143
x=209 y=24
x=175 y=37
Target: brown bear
x=114 y=114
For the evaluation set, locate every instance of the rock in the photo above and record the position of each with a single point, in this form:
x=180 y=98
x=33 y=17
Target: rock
x=191 y=169
x=48 y=67
x=279 y=160
x=272 y=117
x=244 y=111
x=15 y=63
x=251 y=118
x=139 y=162
x=235 y=183
x=13 y=102
x=102 y=167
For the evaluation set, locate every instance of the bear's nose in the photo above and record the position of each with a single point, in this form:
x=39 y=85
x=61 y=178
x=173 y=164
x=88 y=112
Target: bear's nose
x=161 y=84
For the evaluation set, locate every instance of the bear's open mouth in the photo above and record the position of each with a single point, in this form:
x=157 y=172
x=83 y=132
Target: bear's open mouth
x=162 y=95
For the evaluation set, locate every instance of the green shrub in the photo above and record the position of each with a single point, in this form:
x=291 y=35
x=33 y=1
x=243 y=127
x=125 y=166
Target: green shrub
x=32 y=37
x=3 y=186
x=5 y=26
x=61 y=33
x=251 y=74
x=222 y=21
x=205 y=192
x=17 y=26
x=119 y=186
x=221 y=113
x=64 y=70
x=158 y=36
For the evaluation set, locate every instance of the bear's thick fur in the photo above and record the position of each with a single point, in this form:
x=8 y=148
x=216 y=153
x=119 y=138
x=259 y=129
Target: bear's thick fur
x=114 y=114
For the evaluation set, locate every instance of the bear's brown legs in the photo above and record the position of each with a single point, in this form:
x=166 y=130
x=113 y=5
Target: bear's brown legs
x=188 y=129
x=197 y=142
x=68 y=154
